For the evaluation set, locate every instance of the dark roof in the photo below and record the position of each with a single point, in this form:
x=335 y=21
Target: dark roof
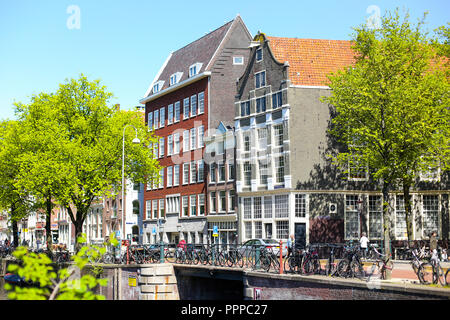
x=201 y=50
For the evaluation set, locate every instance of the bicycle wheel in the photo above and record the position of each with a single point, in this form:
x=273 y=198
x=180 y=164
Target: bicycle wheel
x=438 y=275
x=239 y=260
x=447 y=277
x=357 y=270
x=426 y=273
x=230 y=259
x=388 y=266
x=316 y=266
x=265 y=263
x=343 y=268
x=195 y=258
x=308 y=267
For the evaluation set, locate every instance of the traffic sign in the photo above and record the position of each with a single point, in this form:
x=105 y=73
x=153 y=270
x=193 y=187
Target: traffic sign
x=215 y=231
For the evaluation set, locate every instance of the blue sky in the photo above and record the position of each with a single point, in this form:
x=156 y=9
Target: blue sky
x=124 y=43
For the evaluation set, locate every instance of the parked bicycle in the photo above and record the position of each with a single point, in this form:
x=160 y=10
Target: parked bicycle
x=351 y=266
x=431 y=272
x=331 y=266
x=382 y=264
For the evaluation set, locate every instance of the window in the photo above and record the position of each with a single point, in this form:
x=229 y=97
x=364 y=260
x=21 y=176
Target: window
x=193 y=172
x=177 y=112
x=257 y=206
x=278 y=135
x=201 y=135
x=170 y=114
x=169 y=145
x=262 y=138
x=150 y=121
x=247 y=173
x=186 y=109
x=185 y=173
x=201 y=171
x=430 y=214
x=185 y=140
x=245 y=108
x=263 y=171
x=260 y=79
x=148 y=209
x=358 y=169
x=201 y=204
x=246 y=142
x=279 y=169
x=162 y=213
x=222 y=201
x=169 y=176
x=282 y=206
x=212 y=170
x=282 y=229
x=248 y=230
x=238 y=60
x=158 y=86
x=162 y=117
x=176 y=175
x=161 y=147
x=194 y=105
x=375 y=217
x=185 y=207
x=268 y=207
x=258 y=229
x=247 y=208
x=300 y=205
x=277 y=100
x=259 y=55
x=231 y=200
x=261 y=104
x=173 y=203
x=193 y=205
x=213 y=201
x=400 y=218
x=221 y=172
x=156 y=119
x=176 y=145
x=193 y=139
x=231 y=171
x=201 y=102
x=220 y=147
x=161 y=178
x=351 y=217
x=175 y=78
x=195 y=69
x=155 y=209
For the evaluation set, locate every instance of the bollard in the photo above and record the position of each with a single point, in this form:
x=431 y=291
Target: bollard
x=128 y=250
x=281 y=257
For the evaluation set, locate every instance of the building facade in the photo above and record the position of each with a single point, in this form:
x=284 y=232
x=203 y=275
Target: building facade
x=193 y=92
x=286 y=181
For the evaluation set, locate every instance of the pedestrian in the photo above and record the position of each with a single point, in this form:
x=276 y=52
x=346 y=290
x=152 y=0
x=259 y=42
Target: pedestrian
x=38 y=242
x=444 y=255
x=433 y=246
x=290 y=244
x=363 y=242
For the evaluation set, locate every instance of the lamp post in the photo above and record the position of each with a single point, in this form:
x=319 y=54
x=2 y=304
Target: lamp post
x=135 y=141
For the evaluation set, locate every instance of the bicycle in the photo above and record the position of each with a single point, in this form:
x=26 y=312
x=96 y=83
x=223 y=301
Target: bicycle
x=311 y=261
x=292 y=264
x=447 y=277
x=435 y=276
x=380 y=266
x=234 y=258
x=268 y=259
x=350 y=265
x=331 y=266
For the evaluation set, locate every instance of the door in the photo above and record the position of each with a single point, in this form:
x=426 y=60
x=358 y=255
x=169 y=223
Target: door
x=268 y=230
x=300 y=235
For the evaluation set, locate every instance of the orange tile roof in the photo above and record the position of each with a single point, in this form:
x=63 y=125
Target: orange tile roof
x=311 y=60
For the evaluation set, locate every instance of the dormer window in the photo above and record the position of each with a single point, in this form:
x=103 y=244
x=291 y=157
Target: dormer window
x=158 y=86
x=175 y=78
x=195 y=69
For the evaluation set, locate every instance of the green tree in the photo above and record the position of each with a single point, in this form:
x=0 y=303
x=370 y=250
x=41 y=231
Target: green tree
x=77 y=154
x=391 y=106
x=19 y=203
x=63 y=284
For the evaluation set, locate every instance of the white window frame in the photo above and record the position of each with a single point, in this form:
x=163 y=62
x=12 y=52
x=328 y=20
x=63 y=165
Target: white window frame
x=256 y=54
x=238 y=60
x=170 y=114
x=262 y=80
x=176 y=111
x=176 y=175
x=201 y=103
x=186 y=108
x=186 y=174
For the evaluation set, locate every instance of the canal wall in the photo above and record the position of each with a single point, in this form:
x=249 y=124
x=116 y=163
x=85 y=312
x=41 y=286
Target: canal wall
x=186 y=282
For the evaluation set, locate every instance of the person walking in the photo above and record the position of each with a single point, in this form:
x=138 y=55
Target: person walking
x=363 y=242
x=433 y=246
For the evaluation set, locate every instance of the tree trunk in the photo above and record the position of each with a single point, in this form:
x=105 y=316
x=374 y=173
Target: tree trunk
x=48 y=223
x=15 y=228
x=387 y=226
x=408 y=211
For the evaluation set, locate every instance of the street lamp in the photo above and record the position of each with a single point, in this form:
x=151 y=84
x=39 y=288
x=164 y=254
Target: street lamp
x=135 y=141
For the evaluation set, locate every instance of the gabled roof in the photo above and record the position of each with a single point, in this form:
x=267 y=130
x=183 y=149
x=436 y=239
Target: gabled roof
x=201 y=51
x=310 y=60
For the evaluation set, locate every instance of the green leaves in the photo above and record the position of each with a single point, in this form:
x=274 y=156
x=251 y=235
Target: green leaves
x=65 y=284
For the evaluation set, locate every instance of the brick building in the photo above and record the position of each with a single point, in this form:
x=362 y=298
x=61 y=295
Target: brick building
x=286 y=181
x=193 y=92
